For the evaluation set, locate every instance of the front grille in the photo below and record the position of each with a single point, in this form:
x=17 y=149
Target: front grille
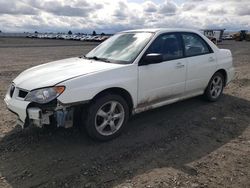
x=22 y=93
x=12 y=89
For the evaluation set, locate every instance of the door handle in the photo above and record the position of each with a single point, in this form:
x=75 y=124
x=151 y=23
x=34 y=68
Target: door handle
x=179 y=65
x=211 y=59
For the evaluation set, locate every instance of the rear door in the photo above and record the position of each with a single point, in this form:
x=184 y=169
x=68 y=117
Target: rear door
x=201 y=62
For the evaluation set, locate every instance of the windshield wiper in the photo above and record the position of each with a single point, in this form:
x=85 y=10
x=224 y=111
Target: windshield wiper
x=82 y=56
x=94 y=57
x=97 y=58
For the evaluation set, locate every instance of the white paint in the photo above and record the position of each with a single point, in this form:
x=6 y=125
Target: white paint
x=150 y=86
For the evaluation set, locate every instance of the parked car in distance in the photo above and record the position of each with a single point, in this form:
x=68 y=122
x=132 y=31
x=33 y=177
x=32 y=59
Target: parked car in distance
x=131 y=72
x=80 y=37
x=227 y=37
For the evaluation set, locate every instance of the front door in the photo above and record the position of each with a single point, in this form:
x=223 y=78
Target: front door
x=165 y=80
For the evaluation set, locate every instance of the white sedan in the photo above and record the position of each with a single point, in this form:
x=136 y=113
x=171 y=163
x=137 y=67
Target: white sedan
x=131 y=72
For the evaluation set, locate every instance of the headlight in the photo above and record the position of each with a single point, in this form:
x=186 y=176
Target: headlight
x=44 y=95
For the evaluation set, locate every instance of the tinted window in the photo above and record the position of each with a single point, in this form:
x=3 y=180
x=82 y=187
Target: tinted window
x=168 y=45
x=194 y=45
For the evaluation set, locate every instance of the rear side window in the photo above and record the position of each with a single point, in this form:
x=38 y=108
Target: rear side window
x=168 y=45
x=194 y=45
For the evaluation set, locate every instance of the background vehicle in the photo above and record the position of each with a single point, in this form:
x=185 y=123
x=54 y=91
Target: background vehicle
x=242 y=35
x=215 y=35
x=131 y=72
x=227 y=37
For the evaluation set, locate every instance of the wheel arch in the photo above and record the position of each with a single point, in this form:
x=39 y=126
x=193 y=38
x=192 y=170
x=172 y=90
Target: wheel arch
x=119 y=91
x=224 y=73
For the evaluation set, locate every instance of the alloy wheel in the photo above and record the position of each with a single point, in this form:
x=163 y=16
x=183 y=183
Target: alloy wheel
x=216 y=87
x=109 y=118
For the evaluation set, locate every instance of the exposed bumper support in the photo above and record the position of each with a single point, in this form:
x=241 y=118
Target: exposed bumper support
x=63 y=117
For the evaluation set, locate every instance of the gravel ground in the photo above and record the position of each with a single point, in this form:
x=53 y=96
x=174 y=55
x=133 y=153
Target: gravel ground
x=187 y=144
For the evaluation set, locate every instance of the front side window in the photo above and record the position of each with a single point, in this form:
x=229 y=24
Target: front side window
x=194 y=45
x=168 y=45
x=121 y=48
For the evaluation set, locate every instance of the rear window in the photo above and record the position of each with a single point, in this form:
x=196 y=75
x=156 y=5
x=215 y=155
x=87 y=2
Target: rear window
x=194 y=45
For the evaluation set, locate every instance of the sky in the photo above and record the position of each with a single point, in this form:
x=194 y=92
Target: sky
x=110 y=16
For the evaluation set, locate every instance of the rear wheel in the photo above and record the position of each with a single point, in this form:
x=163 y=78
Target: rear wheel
x=215 y=87
x=107 y=116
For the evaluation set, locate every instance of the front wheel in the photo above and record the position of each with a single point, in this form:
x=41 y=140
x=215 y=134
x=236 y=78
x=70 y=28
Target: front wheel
x=215 y=87
x=107 y=116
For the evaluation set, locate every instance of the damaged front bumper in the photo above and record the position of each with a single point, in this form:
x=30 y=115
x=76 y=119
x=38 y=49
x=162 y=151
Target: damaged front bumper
x=62 y=116
x=39 y=115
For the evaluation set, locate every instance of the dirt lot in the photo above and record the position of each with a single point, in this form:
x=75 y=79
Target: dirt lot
x=188 y=144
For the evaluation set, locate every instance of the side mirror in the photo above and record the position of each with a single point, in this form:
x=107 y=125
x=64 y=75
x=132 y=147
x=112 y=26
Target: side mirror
x=152 y=58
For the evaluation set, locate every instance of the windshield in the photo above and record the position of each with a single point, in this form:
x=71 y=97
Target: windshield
x=120 y=48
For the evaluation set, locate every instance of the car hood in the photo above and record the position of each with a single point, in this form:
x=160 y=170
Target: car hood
x=52 y=73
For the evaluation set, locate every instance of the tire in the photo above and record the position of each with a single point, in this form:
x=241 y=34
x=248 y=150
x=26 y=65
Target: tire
x=215 y=87
x=106 y=117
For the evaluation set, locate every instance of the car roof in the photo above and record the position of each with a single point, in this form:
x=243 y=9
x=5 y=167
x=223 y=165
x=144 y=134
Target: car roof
x=160 y=30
